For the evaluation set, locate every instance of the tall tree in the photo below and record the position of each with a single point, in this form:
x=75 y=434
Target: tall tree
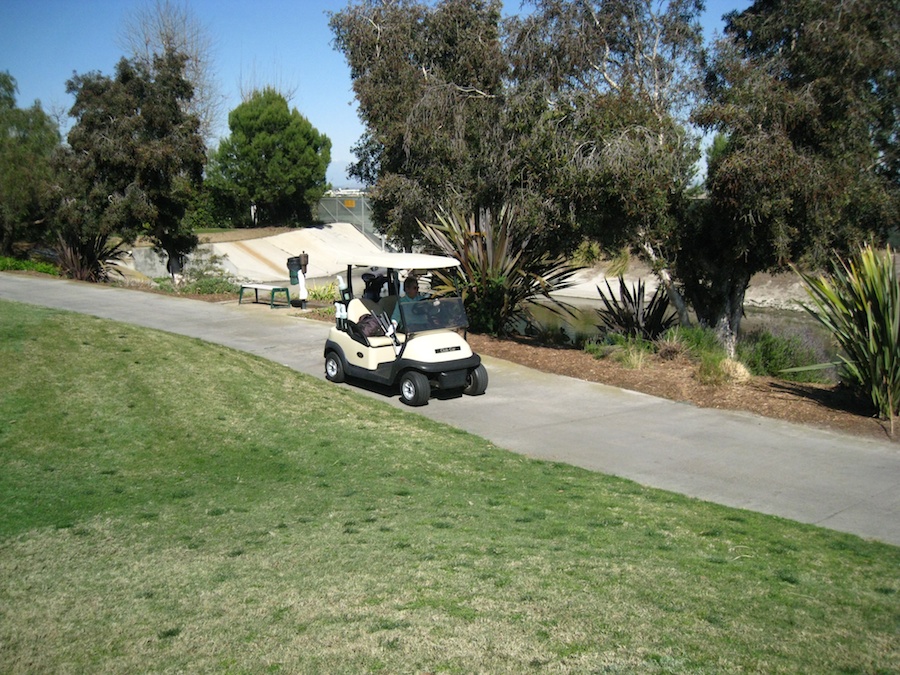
x=806 y=93
x=428 y=80
x=28 y=138
x=151 y=30
x=274 y=162
x=605 y=89
x=134 y=161
x=643 y=50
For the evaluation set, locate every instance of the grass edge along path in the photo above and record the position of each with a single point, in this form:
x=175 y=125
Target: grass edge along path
x=171 y=505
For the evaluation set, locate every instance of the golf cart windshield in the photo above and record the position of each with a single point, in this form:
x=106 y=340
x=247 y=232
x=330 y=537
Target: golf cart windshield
x=432 y=314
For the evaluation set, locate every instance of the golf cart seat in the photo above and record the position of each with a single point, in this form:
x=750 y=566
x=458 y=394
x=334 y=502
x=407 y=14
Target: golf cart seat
x=356 y=309
x=388 y=303
x=359 y=306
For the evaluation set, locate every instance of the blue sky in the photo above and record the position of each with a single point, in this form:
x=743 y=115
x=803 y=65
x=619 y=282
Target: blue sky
x=284 y=43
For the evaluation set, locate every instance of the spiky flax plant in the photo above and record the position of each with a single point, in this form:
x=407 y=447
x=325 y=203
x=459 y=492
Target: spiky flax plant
x=859 y=303
x=501 y=270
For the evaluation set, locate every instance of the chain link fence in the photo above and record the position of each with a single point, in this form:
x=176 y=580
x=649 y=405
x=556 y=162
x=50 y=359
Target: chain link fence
x=353 y=209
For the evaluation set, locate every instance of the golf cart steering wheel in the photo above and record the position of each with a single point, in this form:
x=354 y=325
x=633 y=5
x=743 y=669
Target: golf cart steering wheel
x=427 y=309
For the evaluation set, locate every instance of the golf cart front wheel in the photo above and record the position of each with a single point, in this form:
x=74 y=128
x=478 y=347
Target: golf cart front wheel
x=415 y=389
x=334 y=368
x=476 y=381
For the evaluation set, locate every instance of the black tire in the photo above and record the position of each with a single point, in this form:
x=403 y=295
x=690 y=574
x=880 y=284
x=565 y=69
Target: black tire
x=334 y=368
x=415 y=389
x=476 y=381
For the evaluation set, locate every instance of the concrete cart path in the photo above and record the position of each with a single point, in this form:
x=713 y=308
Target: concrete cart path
x=826 y=478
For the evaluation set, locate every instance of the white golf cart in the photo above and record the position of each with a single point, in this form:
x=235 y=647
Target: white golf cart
x=385 y=339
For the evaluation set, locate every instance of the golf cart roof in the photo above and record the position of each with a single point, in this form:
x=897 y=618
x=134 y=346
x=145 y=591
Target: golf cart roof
x=402 y=261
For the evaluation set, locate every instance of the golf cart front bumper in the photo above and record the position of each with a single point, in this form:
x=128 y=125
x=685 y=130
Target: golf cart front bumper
x=446 y=375
x=450 y=374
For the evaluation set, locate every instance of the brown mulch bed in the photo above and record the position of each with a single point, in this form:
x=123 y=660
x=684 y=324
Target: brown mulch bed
x=818 y=405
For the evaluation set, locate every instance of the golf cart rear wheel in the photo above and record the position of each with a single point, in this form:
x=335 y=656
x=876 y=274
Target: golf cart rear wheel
x=334 y=368
x=476 y=381
x=415 y=389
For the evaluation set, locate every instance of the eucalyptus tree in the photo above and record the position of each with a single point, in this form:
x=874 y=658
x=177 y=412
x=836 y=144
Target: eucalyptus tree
x=28 y=138
x=806 y=94
x=429 y=84
x=606 y=89
x=135 y=159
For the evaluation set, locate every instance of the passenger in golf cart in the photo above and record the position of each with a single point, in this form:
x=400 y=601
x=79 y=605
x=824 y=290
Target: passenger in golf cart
x=425 y=348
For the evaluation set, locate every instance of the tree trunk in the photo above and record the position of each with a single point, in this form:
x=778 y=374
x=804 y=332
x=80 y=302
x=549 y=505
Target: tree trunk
x=6 y=242
x=728 y=324
x=665 y=278
x=719 y=303
x=675 y=298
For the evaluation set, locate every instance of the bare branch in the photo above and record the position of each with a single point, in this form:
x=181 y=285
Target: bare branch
x=170 y=25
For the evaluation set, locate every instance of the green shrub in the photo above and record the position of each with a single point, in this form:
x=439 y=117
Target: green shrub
x=629 y=351
x=588 y=253
x=600 y=350
x=202 y=276
x=697 y=340
x=325 y=293
x=88 y=258
x=632 y=356
x=703 y=345
x=860 y=304
x=8 y=264
x=548 y=333
x=165 y=284
x=711 y=370
x=765 y=353
x=210 y=285
x=668 y=348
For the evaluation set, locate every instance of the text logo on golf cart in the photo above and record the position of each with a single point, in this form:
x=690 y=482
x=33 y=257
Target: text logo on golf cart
x=444 y=350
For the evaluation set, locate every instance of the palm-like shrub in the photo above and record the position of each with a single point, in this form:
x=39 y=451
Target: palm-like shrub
x=501 y=271
x=87 y=258
x=631 y=315
x=859 y=302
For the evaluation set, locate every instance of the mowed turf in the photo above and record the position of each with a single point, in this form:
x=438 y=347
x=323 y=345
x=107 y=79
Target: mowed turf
x=171 y=505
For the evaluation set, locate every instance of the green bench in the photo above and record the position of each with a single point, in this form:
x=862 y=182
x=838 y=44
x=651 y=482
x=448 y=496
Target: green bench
x=268 y=288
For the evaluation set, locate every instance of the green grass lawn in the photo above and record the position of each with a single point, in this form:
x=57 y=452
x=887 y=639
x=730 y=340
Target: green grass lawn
x=171 y=505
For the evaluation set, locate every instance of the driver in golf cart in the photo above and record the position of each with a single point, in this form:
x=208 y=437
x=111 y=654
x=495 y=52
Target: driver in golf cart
x=411 y=290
